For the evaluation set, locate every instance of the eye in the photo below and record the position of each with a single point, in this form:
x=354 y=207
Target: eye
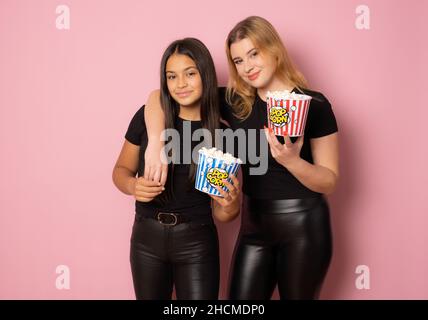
x=191 y=74
x=254 y=53
x=170 y=77
x=237 y=61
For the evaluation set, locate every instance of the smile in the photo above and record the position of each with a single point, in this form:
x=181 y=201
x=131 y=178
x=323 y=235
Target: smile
x=254 y=76
x=184 y=94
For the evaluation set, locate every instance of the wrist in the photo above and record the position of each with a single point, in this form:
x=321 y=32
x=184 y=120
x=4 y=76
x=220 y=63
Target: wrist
x=155 y=140
x=293 y=163
x=130 y=185
x=232 y=208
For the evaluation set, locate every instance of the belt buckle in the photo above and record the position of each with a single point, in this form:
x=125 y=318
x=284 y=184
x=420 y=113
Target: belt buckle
x=167 y=214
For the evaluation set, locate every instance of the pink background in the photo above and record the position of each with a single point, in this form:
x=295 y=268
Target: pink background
x=67 y=96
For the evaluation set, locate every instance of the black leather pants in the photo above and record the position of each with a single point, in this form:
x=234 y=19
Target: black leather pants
x=185 y=255
x=281 y=242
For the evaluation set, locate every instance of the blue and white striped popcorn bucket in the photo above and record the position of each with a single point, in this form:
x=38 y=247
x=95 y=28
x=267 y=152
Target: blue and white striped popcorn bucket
x=210 y=173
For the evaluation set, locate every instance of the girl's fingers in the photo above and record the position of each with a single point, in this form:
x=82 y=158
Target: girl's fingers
x=230 y=187
x=157 y=174
x=164 y=174
x=147 y=172
x=149 y=189
x=147 y=194
x=235 y=181
x=217 y=199
x=274 y=140
x=273 y=148
x=300 y=141
x=267 y=135
x=148 y=183
x=152 y=174
x=144 y=197
x=269 y=142
x=287 y=141
x=141 y=199
x=223 y=193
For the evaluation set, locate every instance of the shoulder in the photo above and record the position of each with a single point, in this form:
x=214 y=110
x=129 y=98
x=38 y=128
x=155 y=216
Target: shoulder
x=321 y=119
x=139 y=115
x=319 y=106
x=140 y=111
x=138 y=122
x=137 y=127
x=317 y=97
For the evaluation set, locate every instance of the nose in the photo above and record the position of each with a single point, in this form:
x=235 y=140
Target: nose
x=182 y=83
x=248 y=66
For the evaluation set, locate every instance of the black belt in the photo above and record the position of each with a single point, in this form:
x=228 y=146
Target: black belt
x=175 y=218
x=261 y=206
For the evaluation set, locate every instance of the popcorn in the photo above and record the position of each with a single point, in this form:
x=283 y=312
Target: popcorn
x=287 y=112
x=213 y=167
x=283 y=95
x=215 y=153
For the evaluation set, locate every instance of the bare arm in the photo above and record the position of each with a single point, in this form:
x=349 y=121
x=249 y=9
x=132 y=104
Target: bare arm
x=124 y=173
x=154 y=116
x=322 y=175
x=222 y=214
x=126 y=167
x=155 y=168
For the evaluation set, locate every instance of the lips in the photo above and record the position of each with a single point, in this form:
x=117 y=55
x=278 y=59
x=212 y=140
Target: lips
x=183 y=94
x=254 y=76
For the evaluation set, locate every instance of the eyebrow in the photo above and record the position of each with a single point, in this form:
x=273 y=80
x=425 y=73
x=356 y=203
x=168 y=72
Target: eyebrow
x=249 y=51
x=191 y=67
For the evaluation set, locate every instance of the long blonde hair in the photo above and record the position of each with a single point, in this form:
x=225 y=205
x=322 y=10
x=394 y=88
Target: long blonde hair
x=263 y=35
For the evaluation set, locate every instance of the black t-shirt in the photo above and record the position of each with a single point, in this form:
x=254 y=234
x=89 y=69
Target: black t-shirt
x=187 y=200
x=278 y=182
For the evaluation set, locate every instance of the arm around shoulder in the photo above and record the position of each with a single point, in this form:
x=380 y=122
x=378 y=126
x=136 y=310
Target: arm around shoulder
x=154 y=117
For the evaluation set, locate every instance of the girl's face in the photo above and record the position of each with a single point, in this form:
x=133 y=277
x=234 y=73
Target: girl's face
x=183 y=80
x=254 y=68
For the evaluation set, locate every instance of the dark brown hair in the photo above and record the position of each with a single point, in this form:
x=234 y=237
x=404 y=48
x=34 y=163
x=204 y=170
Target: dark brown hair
x=210 y=114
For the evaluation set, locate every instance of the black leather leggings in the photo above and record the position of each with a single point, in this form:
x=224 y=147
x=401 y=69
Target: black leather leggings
x=281 y=242
x=185 y=255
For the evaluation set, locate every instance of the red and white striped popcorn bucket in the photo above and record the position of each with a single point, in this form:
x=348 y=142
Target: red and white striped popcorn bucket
x=288 y=116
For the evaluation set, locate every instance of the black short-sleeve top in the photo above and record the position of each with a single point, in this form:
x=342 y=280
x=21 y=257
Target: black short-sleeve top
x=187 y=200
x=278 y=182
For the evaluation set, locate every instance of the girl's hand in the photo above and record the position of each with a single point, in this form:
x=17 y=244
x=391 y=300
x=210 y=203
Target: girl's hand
x=155 y=163
x=146 y=190
x=286 y=153
x=230 y=200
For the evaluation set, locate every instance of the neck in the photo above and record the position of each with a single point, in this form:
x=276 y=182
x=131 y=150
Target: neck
x=192 y=112
x=275 y=85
